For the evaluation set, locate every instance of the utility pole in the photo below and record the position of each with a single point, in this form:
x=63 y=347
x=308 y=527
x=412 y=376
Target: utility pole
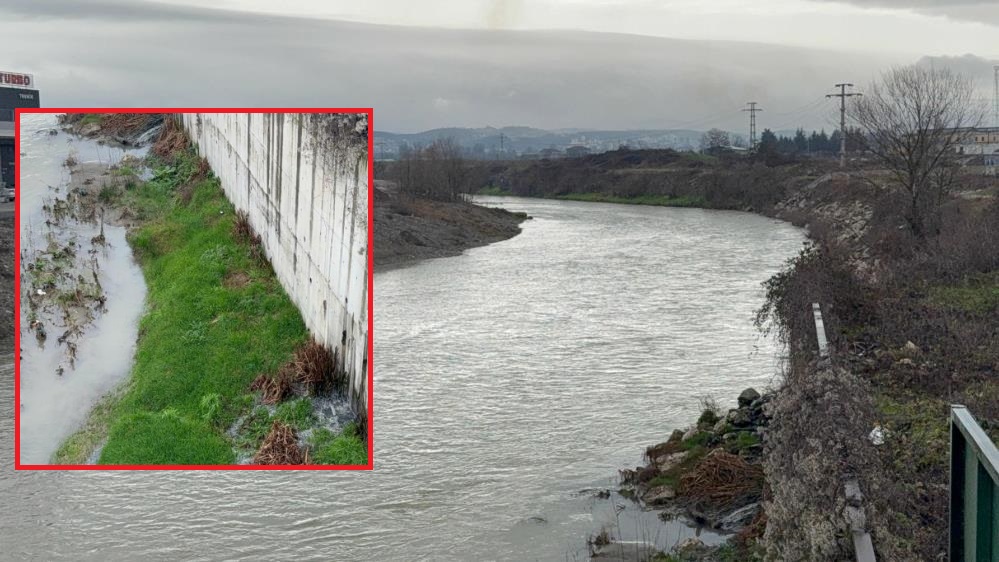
x=995 y=123
x=752 y=109
x=842 y=95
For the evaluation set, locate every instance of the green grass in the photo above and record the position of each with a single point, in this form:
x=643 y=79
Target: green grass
x=699 y=439
x=665 y=479
x=328 y=448
x=296 y=413
x=91 y=118
x=655 y=200
x=201 y=342
x=979 y=295
x=917 y=430
x=166 y=437
x=743 y=440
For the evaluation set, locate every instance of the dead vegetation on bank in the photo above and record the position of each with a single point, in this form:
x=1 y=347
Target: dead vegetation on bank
x=280 y=447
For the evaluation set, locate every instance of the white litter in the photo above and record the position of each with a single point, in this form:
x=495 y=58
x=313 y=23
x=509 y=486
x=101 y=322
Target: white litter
x=877 y=435
x=41 y=293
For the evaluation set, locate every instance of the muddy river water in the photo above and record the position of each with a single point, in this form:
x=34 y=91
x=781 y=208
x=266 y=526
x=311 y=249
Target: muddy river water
x=58 y=390
x=509 y=381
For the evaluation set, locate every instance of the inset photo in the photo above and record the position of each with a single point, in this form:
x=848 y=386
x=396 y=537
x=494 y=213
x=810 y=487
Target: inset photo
x=193 y=289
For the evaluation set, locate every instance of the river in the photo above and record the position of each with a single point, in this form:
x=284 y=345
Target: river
x=508 y=381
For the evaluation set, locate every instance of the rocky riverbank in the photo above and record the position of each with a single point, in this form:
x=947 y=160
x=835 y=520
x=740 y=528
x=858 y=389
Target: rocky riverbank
x=409 y=228
x=910 y=320
x=709 y=476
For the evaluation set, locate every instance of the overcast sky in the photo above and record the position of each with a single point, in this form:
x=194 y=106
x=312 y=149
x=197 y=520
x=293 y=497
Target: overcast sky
x=909 y=26
x=546 y=63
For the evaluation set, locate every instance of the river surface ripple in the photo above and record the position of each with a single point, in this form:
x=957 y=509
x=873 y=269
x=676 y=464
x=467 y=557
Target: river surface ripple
x=507 y=380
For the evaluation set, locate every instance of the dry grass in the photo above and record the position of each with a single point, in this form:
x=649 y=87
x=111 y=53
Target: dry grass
x=280 y=447
x=243 y=231
x=125 y=123
x=171 y=140
x=274 y=389
x=315 y=367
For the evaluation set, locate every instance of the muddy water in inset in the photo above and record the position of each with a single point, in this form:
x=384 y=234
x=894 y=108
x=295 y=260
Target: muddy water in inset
x=57 y=393
x=507 y=381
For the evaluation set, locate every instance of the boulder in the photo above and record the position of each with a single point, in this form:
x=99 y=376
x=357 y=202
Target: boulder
x=667 y=462
x=747 y=397
x=739 y=417
x=719 y=427
x=659 y=495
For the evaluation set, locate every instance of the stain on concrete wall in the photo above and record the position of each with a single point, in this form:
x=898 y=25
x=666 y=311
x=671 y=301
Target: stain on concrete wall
x=306 y=195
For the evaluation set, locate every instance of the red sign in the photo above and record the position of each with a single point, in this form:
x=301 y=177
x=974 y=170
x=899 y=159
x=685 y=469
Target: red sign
x=16 y=80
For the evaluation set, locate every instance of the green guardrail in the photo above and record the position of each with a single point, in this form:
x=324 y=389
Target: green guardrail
x=974 y=490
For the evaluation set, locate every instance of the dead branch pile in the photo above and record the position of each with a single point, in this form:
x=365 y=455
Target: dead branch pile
x=274 y=389
x=280 y=447
x=125 y=123
x=315 y=366
x=722 y=480
x=171 y=140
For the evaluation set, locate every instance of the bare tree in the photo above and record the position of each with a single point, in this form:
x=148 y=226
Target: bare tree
x=438 y=171
x=715 y=139
x=912 y=120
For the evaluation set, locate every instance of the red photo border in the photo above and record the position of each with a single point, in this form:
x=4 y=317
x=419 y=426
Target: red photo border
x=17 y=288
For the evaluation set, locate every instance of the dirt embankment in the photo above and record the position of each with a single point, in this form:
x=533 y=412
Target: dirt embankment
x=409 y=229
x=124 y=129
x=911 y=327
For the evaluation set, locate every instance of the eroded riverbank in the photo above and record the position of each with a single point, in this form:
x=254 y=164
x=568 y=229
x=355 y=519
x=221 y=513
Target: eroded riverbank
x=409 y=229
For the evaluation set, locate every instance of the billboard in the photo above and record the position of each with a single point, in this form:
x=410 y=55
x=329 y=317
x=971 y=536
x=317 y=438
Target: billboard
x=16 y=80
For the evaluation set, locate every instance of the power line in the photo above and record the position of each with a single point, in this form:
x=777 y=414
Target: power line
x=814 y=104
x=752 y=109
x=842 y=95
x=714 y=118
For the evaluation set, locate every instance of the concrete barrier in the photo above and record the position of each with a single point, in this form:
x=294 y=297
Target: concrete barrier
x=303 y=182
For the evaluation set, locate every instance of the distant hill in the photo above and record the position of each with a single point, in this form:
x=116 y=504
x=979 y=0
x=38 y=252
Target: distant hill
x=492 y=142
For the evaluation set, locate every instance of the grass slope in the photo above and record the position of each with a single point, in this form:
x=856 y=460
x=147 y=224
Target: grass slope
x=203 y=338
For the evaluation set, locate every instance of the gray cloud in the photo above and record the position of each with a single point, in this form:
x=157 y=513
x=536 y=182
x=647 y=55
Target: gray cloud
x=982 y=11
x=113 y=53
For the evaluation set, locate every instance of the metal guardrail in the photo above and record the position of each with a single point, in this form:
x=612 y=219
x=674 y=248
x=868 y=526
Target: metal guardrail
x=974 y=490
x=854 y=512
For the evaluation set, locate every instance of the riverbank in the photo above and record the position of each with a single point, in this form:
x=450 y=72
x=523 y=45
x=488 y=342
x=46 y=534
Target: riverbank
x=409 y=229
x=224 y=371
x=911 y=324
x=7 y=278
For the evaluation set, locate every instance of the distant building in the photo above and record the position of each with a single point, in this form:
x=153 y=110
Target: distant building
x=577 y=151
x=978 y=140
x=550 y=153
x=16 y=90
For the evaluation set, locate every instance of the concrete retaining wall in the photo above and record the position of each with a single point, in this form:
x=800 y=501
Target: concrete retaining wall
x=306 y=195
